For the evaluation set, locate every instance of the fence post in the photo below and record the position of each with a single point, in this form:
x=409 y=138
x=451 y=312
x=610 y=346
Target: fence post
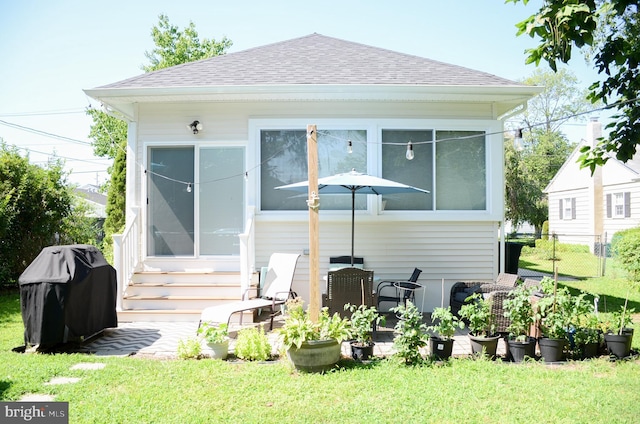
x=604 y=255
x=553 y=257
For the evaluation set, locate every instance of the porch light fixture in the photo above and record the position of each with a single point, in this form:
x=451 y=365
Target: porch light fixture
x=349 y=147
x=518 y=143
x=410 y=154
x=195 y=126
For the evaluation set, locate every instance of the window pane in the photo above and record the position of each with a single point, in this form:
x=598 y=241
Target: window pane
x=284 y=161
x=461 y=182
x=171 y=205
x=221 y=190
x=417 y=172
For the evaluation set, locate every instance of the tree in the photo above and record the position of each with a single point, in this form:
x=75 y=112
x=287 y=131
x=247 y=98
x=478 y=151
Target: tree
x=528 y=172
x=612 y=29
x=34 y=201
x=109 y=134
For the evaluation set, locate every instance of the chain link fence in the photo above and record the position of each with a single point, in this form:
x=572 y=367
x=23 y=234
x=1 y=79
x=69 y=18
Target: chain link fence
x=571 y=255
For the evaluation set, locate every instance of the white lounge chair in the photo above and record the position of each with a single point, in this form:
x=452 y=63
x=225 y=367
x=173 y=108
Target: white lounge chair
x=277 y=285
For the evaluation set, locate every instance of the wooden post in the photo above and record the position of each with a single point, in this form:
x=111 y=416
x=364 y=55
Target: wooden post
x=314 y=241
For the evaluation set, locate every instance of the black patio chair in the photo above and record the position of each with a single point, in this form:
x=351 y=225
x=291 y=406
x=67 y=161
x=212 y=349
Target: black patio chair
x=398 y=290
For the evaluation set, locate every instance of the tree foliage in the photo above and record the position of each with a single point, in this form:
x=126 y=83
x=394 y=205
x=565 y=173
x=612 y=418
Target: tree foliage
x=527 y=174
x=175 y=47
x=34 y=201
x=529 y=171
x=109 y=134
x=612 y=30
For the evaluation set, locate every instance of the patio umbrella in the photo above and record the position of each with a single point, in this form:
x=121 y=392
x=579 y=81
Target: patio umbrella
x=350 y=183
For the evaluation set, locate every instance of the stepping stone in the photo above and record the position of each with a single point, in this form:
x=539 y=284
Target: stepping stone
x=62 y=380
x=88 y=366
x=34 y=397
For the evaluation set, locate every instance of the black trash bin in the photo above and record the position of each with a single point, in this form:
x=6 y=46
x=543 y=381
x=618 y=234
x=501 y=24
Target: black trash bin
x=512 y=254
x=66 y=294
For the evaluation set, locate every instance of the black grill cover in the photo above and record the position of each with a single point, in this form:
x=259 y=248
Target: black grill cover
x=67 y=293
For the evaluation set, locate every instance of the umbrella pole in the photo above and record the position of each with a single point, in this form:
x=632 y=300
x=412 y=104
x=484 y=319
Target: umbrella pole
x=314 y=243
x=353 y=215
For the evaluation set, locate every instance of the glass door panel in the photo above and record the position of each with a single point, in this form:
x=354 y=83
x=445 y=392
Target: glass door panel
x=171 y=201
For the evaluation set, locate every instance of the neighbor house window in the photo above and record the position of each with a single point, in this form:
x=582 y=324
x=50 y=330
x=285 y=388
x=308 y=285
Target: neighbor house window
x=619 y=205
x=283 y=158
x=567 y=208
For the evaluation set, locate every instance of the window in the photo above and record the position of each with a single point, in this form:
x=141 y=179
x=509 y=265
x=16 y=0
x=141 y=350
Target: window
x=417 y=172
x=567 y=208
x=284 y=161
x=619 y=205
x=456 y=178
x=450 y=164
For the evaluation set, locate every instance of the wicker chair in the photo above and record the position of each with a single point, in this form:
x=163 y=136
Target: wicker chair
x=348 y=285
x=463 y=289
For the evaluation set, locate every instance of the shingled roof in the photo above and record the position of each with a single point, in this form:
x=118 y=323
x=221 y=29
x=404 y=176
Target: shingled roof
x=313 y=60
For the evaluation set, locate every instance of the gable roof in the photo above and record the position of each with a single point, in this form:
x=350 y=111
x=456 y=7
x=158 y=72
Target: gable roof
x=315 y=67
x=313 y=59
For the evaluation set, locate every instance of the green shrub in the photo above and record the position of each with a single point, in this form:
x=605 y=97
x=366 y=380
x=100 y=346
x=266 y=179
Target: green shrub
x=253 y=344
x=545 y=230
x=625 y=247
x=190 y=348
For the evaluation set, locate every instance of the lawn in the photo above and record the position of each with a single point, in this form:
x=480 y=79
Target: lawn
x=135 y=390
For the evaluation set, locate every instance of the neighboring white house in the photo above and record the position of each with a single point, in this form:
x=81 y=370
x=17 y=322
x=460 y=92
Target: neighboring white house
x=585 y=207
x=203 y=200
x=96 y=200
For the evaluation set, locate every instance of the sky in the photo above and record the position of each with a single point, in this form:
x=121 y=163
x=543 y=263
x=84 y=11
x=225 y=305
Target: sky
x=51 y=50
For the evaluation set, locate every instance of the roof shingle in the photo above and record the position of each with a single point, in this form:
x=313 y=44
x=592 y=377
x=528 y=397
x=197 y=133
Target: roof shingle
x=313 y=60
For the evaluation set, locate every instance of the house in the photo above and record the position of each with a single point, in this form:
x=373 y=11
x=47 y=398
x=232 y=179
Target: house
x=209 y=140
x=97 y=201
x=590 y=209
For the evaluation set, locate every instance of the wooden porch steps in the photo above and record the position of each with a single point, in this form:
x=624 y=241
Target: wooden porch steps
x=180 y=296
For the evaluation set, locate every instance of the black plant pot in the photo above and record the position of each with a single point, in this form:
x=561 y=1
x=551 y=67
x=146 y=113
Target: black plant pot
x=520 y=350
x=589 y=350
x=441 y=348
x=618 y=345
x=552 y=350
x=361 y=352
x=486 y=345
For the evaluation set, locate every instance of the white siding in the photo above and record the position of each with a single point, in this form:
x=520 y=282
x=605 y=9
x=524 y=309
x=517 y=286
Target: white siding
x=612 y=224
x=565 y=228
x=452 y=251
x=392 y=244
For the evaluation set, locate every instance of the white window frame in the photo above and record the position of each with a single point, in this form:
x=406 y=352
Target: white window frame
x=494 y=162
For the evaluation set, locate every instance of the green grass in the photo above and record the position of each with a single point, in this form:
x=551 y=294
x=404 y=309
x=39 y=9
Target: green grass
x=570 y=263
x=135 y=390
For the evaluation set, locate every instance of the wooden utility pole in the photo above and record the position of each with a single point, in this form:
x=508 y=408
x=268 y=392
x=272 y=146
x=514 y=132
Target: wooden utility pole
x=313 y=203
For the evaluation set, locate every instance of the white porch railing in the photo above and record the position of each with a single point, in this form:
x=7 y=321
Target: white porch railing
x=126 y=254
x=247 y=253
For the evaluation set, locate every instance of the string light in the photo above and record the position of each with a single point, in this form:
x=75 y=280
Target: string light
x=189 y=188
x=518 y=143
x=349 y=147
x=409 y=155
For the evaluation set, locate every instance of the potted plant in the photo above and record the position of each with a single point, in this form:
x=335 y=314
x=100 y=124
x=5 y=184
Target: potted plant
x=444 y=326
x=363 y=319
x=618 y=335
x=217 y=338
x=587 y=337
x=481 y=323
x=410 y=334
x=313 y=346
x=519 y=309
x=555 y=312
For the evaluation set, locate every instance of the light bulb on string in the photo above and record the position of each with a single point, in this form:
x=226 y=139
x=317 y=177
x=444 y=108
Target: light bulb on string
x=409 y=155
x=518 y=143
x=189 y=188
x=349 y=147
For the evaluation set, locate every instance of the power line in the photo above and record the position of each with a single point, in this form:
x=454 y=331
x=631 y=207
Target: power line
x=44 y=133
x=43 y=113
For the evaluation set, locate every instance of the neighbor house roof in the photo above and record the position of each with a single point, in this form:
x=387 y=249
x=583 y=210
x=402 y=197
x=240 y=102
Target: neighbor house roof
x=315 y=67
